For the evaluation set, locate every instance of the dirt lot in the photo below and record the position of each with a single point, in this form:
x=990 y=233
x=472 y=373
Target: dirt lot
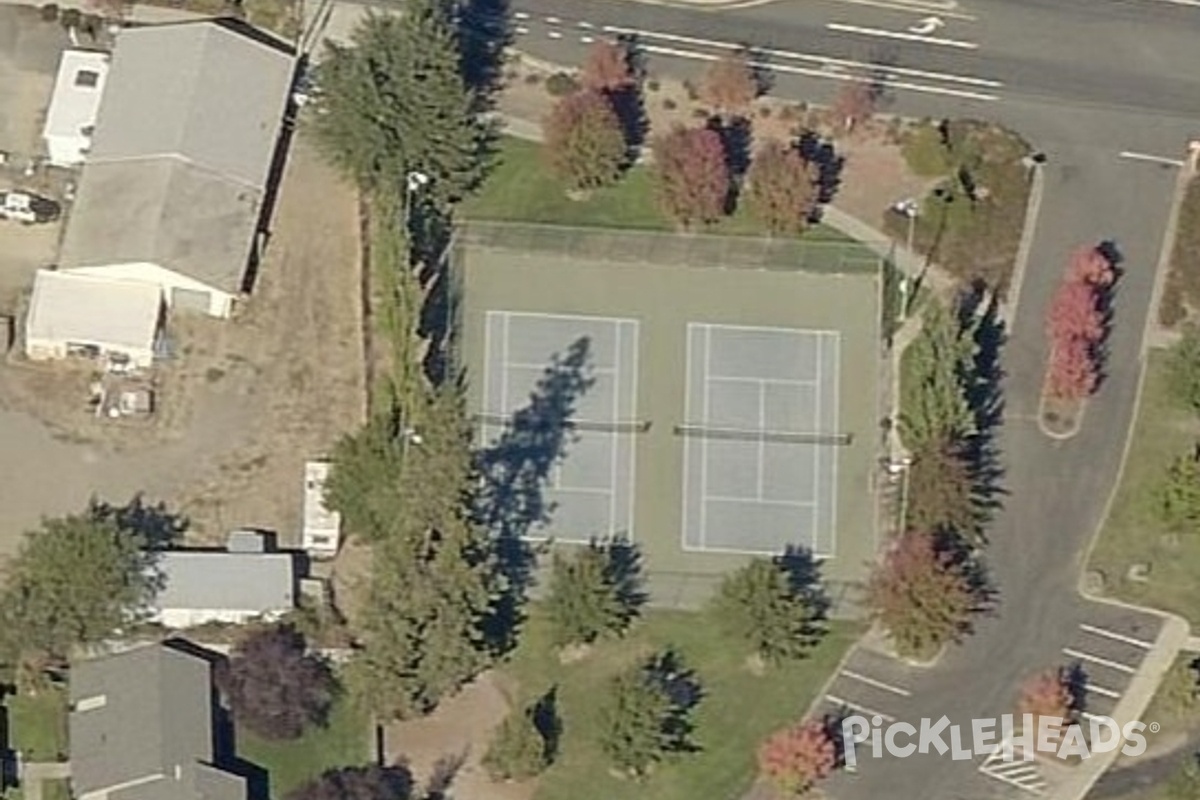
x=244 y=402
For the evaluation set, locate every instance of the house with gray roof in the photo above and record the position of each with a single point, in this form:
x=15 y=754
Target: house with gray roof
x=176 y=186
x=242 y=583
x=141 y=727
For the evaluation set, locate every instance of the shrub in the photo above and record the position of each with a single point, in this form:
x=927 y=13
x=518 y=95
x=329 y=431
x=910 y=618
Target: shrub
x=523 y=745
x=70 y=18
x=669 y=105
x=533 y=79
x=49 y=12
x=561 y=84
x=653 y=85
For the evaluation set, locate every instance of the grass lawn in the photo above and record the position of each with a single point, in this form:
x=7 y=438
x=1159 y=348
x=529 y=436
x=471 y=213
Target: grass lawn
x=1133 y=533
x=345 y=742
x=38 y=724
x=737 y=711
x=522 y=189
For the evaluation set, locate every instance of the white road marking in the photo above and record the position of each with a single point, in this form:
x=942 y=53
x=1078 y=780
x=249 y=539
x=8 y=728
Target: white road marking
x=908 y=37
x=927 y=26
x=887 y=687
x=1098 y=660
x=1088 y=716
x=554 y=34
x=840 y=703
x=821 y=73
x=824 y=61
x=942 y=9
x=1193 y=3
x=1017 y=772
x=1092 y=628
x=1173 y=162
x=587 y=26
x=1100 y=690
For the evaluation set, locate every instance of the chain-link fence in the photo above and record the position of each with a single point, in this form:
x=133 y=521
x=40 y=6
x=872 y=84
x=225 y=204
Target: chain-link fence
x=671 y=249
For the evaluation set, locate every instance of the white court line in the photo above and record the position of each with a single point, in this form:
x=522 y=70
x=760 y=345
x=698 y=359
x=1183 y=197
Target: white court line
x=817 y=73
x=633 y=406
x=833 y=457
x=704 y=441
x=542 y=367
x=771 y=381
x=612 y=439
x=1100 y=690
x=814 y=518
x=837 y=701
x=688 y=366
x=504 y=367
x=1119 y=637
x=581 y=489
x=908 y=37
x=721 y=498
x=1098 y=660
x=762 y=441
x=883 y=70
x=887 y=687
x=1132 y=156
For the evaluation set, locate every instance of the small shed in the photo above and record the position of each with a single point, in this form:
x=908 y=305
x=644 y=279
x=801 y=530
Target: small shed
x=69 y=314
x=71 y=118
x=322 y=527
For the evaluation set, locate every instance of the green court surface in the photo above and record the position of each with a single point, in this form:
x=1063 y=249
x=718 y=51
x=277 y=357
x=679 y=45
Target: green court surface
x=726 y=397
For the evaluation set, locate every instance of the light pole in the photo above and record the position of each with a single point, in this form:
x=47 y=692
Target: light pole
x=911 y=209
x=895 y=468
x=414 y=182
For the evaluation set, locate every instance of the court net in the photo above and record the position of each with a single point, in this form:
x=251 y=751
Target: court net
x=750 y=435
x=603 y=426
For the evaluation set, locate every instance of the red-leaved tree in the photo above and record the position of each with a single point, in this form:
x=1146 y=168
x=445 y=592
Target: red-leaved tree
x=730 y=84
x=795 y=758
x=921 y=597
x=607 y=68
x=1075 y=325
x=692 y=175
x=584 y=141
x=854 y=103
x=1048 y=694
x=781 y=189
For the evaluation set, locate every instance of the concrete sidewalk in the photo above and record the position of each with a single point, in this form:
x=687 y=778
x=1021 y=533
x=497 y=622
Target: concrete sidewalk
x=30 y=775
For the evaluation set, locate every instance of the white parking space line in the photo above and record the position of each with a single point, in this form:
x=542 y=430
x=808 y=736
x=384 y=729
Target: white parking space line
x=554 y=34
x=1170 y=162
x=521 y=29
x=818 y=73
x=520 y=15
x=870 y=712
x=1098 y=660
x=553 y=21
x=825 y=62
x=1015 y=772
x=908 y=37
x=586 y=39
x=887 y=687
x=1119 y=637
x=1100 y=690
x=587 y=26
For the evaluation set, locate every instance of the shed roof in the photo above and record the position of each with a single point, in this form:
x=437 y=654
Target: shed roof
x=84 y=309
x=220 y=580
x=76 y=101
x=146 y=726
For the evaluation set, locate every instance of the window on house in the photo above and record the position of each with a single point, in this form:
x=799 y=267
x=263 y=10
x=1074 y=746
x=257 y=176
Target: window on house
x=87 y=78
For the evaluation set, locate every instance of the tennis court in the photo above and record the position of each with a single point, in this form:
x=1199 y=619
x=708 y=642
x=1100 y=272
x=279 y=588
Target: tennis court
x=761 y=439
x=590 y=488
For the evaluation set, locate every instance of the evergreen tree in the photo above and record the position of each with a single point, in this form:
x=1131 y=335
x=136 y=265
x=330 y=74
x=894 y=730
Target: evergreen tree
x=759 y=604
x=395 y=101
x=939 y=364
x=593 y=593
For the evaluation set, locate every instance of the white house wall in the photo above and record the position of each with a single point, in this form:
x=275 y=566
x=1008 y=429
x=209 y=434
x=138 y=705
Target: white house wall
x=184 y=618
x=220 y=303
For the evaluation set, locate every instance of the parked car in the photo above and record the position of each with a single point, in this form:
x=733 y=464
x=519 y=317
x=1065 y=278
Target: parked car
x=28 y=208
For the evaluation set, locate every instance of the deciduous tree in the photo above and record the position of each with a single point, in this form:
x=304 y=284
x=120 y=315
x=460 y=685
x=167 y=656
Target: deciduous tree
x=730 y=84
x=357 y=783
x=942 y=494
x=854 y=104
x=394 y=101
x=584 y=141
x=607 y=69
x=922 y=597
x=274 y=686
x=1073 y=372
x=781 y=188
x=795 y=758
x=1048 y=694
x=593 y=593
x=760 y=605
x=1075 y=326
x=692 y=175
x=1091 y=266
x=75 y=581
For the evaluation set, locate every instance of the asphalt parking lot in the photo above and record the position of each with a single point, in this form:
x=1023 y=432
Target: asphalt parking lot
x=1106 y=649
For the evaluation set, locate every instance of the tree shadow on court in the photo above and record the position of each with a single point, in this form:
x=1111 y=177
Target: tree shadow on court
x=624 y=570
x=804 y=575
x=514 y=470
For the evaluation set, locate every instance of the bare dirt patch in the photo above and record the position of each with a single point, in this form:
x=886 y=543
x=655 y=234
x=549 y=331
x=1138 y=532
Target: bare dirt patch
x=453 y=739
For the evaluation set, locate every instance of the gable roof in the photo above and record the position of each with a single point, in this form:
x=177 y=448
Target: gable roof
x=183 y=148
x=141 y=728
x=220 y=580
